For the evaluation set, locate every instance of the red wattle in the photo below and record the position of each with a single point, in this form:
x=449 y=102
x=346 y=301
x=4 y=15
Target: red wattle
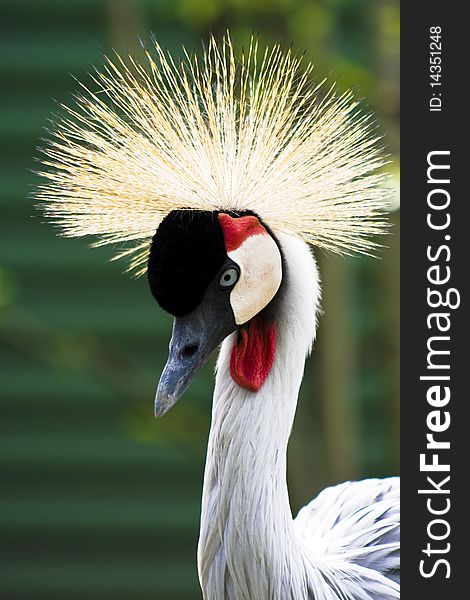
x=253 y=354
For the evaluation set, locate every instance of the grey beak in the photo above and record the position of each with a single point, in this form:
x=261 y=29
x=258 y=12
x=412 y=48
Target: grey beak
x=188 y=353
x=193 y=340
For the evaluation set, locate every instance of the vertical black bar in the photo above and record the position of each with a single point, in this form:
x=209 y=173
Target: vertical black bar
x=434 y=269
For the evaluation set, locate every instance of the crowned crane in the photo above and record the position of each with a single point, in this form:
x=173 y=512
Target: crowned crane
x=219 y=174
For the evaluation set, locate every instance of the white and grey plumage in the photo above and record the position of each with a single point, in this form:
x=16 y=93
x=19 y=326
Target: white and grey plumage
x=345 y=543
x=215 y=139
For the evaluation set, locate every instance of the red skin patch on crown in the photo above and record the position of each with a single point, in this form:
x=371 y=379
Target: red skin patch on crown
x=253 y=353
x=238 y=229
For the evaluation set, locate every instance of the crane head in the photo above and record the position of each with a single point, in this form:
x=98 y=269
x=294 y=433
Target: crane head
x=216 y=273
x=190 y=148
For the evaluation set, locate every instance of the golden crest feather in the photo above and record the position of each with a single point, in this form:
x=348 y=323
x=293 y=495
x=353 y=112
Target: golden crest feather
x=214 y=133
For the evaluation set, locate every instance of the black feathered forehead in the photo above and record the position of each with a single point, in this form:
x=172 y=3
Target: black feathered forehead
x=185 y=254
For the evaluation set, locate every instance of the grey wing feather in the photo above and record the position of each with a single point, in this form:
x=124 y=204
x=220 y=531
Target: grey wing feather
x=356 y=521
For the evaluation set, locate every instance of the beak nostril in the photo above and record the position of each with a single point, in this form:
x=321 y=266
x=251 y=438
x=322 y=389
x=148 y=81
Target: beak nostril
x=189 y=350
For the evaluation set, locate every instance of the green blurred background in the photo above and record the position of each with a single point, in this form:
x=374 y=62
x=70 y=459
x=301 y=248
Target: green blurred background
x=99 y=499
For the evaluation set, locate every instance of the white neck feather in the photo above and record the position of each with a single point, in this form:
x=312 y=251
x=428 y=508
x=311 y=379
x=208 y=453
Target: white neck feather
x=248 y=548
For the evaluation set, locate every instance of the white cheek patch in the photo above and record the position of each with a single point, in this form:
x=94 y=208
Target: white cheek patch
x=260 y=265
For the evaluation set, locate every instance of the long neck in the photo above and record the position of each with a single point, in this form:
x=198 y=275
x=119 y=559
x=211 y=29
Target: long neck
x=248 y=548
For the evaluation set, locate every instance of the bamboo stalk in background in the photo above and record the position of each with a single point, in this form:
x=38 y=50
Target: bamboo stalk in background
x=337 y=344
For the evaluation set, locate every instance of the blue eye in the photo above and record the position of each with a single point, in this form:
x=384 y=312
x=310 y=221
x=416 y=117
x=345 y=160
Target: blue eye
x=229 y=277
